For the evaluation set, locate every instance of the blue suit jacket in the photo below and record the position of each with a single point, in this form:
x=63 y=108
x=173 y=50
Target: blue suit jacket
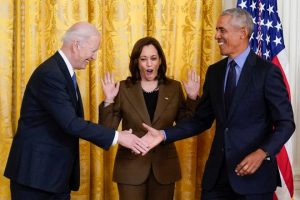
x=45 y=150
x=260 y=116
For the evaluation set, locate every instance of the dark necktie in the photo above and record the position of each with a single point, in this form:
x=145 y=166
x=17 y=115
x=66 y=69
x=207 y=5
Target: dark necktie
x=230 y=85
x=75 y=83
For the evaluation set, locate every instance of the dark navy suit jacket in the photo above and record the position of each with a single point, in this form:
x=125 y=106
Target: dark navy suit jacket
x=260 y=116
x=45 y=150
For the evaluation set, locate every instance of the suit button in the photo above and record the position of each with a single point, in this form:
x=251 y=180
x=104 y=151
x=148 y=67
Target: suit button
x=226 y=130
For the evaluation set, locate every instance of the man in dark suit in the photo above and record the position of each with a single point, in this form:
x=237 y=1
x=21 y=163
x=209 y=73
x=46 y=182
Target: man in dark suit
x=44 y=157
x=247 y=97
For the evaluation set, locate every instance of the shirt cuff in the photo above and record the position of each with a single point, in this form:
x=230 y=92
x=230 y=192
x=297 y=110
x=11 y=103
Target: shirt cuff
x=116 y=138
x=164 y=134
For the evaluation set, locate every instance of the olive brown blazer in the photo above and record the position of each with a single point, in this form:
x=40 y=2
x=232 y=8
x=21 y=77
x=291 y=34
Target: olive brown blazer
x=130 y=107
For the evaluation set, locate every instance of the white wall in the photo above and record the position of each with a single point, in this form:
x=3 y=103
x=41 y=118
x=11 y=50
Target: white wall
x=288 y=13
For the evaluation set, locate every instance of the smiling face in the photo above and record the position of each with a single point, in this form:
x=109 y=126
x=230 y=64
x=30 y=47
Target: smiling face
x=85 y=51
x=149 y=62
x=232 y=38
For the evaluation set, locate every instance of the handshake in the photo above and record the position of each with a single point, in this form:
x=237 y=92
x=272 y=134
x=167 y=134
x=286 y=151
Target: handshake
x=141 y=145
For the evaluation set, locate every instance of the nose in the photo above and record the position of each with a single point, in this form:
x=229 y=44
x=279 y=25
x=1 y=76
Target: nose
x=149 y=62
x=217 y=35
x=94 y=56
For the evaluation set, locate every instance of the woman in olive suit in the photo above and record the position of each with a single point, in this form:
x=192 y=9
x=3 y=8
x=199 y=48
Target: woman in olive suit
x=147 y=96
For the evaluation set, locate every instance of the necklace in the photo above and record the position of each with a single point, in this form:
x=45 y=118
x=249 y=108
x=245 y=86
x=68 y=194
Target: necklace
x=154 y=90
x=148 y=88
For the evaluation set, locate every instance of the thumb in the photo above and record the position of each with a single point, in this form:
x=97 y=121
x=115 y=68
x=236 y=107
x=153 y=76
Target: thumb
x=149 y=128
x=130 y=131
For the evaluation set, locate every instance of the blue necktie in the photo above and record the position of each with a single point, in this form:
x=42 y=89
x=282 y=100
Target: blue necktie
x=230 y=85
x=75 y=83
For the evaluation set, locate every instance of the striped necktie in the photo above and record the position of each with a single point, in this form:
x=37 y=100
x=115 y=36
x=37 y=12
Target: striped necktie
x=230 y=85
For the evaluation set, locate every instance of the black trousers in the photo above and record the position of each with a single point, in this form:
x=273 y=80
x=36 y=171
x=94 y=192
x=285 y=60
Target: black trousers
x=223 y=190
x=22 y=192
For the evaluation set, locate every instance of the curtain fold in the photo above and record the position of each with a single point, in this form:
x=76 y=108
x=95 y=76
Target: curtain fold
x=32 y=31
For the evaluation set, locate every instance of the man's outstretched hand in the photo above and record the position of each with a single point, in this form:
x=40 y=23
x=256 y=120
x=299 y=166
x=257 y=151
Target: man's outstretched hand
x=153 y=137
x=131 y=141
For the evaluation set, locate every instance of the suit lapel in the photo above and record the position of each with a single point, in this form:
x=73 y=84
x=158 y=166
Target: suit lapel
x=164 y=97
x=135 y=97
x=243 y=82
x=79 y=104
x=219 y=92
x=63 y=67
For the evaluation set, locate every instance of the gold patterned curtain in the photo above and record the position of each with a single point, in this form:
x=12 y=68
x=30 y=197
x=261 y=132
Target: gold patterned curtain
x=31 y=32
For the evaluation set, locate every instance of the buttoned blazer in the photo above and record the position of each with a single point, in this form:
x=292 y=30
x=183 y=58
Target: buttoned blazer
x=130 y=107
x=45 y=149
x=260 y=116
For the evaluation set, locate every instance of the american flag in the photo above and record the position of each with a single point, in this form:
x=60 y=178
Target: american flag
x=267 y=41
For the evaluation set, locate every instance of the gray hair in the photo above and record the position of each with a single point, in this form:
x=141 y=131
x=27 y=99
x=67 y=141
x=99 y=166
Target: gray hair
x=81 y=31
x=241 y=18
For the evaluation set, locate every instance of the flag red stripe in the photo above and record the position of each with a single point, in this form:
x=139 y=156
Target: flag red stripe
x=282 y=158
x=275 y=196
x=285 y=168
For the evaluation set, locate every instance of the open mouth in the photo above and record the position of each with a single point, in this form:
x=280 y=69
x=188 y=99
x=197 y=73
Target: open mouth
x=149 y=71
x=220 y=43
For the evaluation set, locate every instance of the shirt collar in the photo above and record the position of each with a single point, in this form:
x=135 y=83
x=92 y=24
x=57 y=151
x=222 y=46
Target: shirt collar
x=241 y=59
x=70 y=68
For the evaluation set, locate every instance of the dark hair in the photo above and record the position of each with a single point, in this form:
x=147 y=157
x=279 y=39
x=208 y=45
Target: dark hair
x=134 y=59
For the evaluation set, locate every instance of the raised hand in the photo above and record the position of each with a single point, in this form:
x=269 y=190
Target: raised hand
x=192 y=85
x=131 y=141
x=110 y=88
x=153 y=137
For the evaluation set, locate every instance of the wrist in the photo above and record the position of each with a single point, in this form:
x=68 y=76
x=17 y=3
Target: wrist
x=163 y=135
x=193 y=97
x=266 y=154
x=109 y=101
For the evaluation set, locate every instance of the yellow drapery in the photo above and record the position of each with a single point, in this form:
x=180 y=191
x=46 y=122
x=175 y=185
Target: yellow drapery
x=31 y=32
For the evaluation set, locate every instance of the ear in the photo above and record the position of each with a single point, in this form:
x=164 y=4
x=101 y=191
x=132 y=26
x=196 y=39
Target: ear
x=75 y=45
x=244 y=32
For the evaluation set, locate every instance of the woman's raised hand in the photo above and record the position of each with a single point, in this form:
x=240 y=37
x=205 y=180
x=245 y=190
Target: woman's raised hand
x=192 y=85
x=110 y=87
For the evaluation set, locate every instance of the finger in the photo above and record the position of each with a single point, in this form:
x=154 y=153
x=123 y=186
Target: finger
x=189 y=75
x=141 y=145
x=141 y=149
x=135 y=150
x=244 y=170
x=108 y=77
x=112 y=78
x=194 y=75
x=102 y=82
x=240 y=166
x=149 y=128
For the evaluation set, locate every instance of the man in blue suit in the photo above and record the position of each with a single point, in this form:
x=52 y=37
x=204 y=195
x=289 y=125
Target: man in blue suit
x=247 y=97
x=44 y=158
